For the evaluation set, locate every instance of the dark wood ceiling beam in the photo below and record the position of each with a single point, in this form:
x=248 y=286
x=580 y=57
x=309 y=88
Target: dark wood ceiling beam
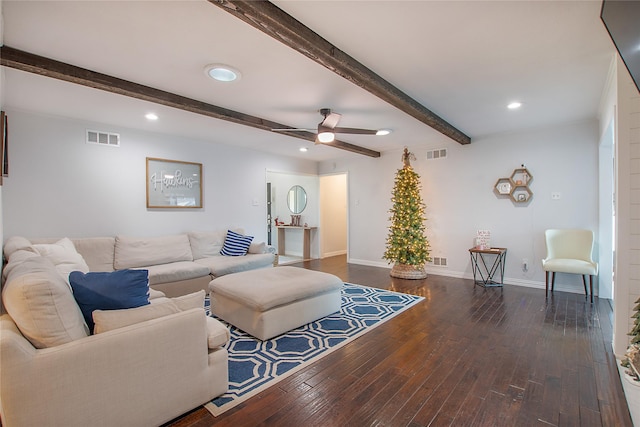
x=268 y=18
x=25 y=61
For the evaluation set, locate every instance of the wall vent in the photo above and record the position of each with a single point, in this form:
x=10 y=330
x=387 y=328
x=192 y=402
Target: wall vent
x=440 y=153
x=439 y=261
x=103 y=138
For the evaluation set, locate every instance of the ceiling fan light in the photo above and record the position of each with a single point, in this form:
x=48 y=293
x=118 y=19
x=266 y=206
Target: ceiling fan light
x=383 y=132
x=326 y=136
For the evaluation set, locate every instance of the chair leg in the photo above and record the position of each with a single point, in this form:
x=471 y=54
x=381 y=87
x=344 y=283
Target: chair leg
x=591 y=286
x=584 y=283
x=553 y=281
x=546 y=283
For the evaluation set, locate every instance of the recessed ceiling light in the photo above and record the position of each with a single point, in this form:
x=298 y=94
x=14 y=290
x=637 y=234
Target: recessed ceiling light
x=383 y=132
x=151 y=116
x=222 y=73
x=304 y=149
x=514 y=105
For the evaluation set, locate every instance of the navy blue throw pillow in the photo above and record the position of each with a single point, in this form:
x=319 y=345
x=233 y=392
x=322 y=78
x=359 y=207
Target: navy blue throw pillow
x=236 y=244
x=109 y=291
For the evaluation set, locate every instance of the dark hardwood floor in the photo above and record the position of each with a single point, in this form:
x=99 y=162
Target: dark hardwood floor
x=465 y=356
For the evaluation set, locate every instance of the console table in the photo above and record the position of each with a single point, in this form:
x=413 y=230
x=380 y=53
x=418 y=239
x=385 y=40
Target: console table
x=306 y=236
x=483 y=275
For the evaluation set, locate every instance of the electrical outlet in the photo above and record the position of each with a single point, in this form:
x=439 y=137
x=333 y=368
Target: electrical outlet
x=525 y=265
x=555 y=196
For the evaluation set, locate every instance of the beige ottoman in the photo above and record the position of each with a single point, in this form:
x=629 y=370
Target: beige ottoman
x=269 y=302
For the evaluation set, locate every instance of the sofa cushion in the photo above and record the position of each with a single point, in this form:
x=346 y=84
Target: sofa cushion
x=98 y=252
x=40 y=302
x=16 y=243
x=132 y=252
x=222 y=265
x=185 y=302
x=17 y=257
x=175 y=271
x=109 y=291
x=235 y=244
x=257 y=248
x=106 y=320
x=153 y=294
x=64 y=256
x=206 y=243
x=189 y=301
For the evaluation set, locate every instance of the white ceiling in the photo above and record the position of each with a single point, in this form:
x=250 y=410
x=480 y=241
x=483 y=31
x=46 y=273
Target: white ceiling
x=464 y=60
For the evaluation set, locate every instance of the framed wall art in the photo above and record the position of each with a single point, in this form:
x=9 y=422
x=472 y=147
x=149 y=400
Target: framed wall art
x=173 y=184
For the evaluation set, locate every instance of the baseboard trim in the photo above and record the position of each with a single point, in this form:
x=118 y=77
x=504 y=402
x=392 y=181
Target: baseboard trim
x=335 y=253
x=441 y=271
x=381 y=264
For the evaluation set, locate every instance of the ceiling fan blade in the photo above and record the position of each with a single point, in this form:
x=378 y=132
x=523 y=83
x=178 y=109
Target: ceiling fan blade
x=331 y=120
x=355 y=131
x=292 y=129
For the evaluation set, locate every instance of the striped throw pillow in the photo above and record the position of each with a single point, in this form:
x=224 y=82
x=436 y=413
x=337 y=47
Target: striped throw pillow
x=236 y=244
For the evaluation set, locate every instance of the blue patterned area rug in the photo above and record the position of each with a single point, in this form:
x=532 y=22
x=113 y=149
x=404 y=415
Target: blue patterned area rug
x=255 y=365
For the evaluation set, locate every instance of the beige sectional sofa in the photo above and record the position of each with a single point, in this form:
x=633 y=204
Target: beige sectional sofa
x=178 y=264
x=142 y=366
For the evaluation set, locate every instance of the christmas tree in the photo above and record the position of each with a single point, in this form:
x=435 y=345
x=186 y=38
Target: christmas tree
x=635 y=331
x=407 y=244
x=632 y=357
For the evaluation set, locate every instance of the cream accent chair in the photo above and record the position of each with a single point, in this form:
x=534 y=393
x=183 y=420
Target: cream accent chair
x=569 y=251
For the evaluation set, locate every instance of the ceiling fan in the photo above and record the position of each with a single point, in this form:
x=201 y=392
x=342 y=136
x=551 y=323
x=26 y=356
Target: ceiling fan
x=327 y=128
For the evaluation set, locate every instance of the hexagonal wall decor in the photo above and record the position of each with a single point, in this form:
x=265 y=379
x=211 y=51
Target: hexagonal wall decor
x=516 y=186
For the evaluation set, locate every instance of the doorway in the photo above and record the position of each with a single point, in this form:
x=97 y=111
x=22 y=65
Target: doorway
x=333 y=228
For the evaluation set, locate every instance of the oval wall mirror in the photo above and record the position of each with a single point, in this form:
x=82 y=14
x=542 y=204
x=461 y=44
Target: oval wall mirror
x=297 y=199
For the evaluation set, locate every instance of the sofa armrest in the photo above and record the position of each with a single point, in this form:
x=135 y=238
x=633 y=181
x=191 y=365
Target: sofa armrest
x=129 y=376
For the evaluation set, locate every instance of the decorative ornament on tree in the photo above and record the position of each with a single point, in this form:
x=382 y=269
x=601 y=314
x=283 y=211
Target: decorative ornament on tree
x=407 y=245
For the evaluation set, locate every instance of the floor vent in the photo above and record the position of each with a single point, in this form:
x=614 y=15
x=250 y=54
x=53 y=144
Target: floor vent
x=440 y=153
x=103 y=138
x=442 y=262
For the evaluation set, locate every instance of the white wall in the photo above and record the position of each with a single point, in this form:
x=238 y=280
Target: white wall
x=460 y=199
x=61 y=186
